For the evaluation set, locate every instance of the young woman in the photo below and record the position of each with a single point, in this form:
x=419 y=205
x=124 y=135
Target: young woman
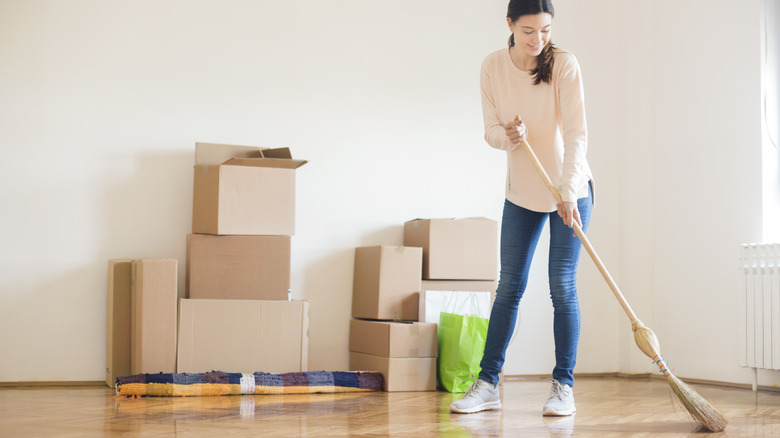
x=533 y=90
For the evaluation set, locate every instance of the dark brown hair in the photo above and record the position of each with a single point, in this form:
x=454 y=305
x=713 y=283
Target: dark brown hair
x=544 y=61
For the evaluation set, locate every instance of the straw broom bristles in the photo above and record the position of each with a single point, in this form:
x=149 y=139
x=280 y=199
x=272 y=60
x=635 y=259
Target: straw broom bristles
x=699 y=408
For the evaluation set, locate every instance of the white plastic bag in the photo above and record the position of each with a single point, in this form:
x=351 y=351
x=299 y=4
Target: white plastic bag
x=469 y=303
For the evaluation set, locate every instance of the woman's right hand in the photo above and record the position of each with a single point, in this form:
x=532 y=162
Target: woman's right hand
x=515 y=131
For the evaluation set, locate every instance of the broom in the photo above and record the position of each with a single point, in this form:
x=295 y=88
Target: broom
x=645 y=339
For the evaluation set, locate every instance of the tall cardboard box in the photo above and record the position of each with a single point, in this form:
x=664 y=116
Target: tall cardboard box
x=455 y=249
x=393 y=339
x=118 y=319
x=238 y=267
x=243 y=336
x=386 y=282
x=243 y=190
x=400 y=373
x=153 y=312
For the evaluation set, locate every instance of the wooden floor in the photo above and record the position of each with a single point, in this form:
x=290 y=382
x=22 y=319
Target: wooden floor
x=606 y=407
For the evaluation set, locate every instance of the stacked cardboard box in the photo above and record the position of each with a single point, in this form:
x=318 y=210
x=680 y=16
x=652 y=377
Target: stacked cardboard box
x=404 y=352
x=238 y=315
x=249 y=335
x=455 y=249
x=384 y=336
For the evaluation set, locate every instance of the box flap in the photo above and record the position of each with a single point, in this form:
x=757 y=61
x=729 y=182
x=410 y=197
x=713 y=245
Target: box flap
x=277 y=153
x=213 y=153
x=280 y=163
x=278 y=157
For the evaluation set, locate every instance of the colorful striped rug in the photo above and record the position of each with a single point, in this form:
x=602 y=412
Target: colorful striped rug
x=222 y=383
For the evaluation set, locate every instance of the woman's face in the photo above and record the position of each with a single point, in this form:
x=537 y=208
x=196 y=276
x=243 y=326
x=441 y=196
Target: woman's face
x=532 y=32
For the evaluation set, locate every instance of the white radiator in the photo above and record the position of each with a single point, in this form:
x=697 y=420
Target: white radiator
x=759 y=310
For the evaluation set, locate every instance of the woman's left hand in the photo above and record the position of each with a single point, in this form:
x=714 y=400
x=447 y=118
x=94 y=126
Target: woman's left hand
x=569 y=212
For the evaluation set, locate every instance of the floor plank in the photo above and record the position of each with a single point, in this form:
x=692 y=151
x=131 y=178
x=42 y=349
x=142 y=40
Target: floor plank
x=606 y=407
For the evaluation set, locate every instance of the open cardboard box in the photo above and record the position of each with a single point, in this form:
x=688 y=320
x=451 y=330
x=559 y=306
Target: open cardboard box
x=244 y=190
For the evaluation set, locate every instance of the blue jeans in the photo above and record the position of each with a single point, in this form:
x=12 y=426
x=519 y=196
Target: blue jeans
x=520 y=231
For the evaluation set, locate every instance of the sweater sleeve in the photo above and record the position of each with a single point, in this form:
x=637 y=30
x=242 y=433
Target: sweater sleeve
x=575 y=135
x=495 y=135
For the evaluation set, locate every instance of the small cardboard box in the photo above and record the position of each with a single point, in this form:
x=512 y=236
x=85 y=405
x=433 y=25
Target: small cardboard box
x=118 y=320
x=243 y=336
x=153 y=313
x=455 y=249
x=244 y=190
x=386 y=282
x=400 y=373
x=238 y=267
x=393 y=339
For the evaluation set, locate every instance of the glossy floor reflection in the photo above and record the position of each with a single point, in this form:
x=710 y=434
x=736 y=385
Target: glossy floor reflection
x=606 y=407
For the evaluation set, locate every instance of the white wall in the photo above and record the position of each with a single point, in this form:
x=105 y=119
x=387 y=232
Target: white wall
x=101 y=104
x=706 y=172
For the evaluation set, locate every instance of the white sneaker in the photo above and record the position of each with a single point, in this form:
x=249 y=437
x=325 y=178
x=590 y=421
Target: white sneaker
x=481 y=396
x=561 y=401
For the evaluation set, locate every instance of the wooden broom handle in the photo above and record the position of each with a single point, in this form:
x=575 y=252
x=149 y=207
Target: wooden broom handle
x=581 y=235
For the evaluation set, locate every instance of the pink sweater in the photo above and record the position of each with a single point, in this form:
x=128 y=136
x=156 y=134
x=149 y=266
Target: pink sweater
x=554 y=115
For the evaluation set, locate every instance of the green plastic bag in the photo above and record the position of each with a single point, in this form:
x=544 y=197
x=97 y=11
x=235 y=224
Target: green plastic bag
x=461 y=345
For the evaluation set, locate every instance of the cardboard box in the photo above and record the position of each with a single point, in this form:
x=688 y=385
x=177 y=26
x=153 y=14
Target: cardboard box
x=400 y=373
x=153 y=312
x=238 y=267
x=386 y=282
x=243 y=190
x=393 y=339
x=455 y=249
x=243 y=336
x=118 y=319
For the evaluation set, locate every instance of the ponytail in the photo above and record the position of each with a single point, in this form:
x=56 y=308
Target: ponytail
x=544 y=65
x=544 y=62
